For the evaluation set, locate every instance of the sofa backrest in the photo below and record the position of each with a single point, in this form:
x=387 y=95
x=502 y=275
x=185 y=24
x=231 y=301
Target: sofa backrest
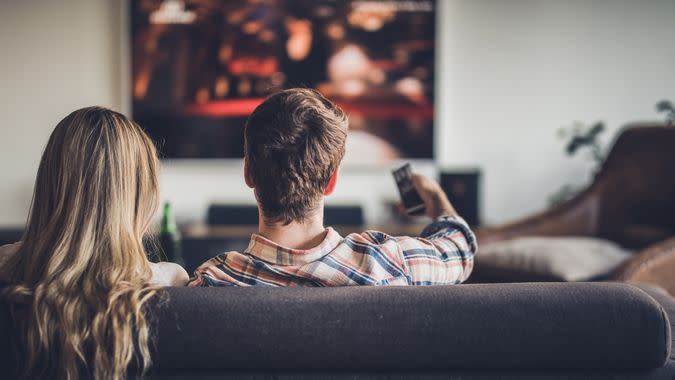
x=486 y=326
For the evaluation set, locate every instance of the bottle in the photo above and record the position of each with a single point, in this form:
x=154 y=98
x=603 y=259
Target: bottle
x=169 y=237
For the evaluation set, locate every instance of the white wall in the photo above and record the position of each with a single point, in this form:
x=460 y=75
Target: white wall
x=510 y=73
x=56 y=56
x=514 y=71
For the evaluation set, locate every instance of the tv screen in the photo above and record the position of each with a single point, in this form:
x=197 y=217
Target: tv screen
x=200 y=67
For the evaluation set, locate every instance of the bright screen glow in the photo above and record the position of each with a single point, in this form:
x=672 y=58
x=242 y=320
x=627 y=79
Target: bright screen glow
x=200 y=67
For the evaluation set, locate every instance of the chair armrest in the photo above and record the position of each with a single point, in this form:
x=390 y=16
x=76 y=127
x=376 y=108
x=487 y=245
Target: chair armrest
x=578 y=216
x=653 y=265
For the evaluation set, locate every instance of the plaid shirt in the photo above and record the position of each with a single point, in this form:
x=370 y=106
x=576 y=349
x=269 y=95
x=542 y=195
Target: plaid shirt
x=443 y=255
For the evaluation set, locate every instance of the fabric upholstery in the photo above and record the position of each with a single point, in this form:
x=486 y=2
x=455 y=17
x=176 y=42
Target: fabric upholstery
x=668 y=303
x=459 y=332
x=509 y=326
x=664 y=373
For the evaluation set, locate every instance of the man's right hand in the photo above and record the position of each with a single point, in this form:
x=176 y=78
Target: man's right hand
x=435 y=201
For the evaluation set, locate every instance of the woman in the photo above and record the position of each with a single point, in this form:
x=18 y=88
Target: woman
x=78 y=282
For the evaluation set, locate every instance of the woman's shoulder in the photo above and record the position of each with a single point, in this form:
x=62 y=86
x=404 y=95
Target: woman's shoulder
x=8 y=250
x=168 y=274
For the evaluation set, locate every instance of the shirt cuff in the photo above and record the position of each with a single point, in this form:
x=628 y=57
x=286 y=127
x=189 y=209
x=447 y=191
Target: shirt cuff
x=442 y=224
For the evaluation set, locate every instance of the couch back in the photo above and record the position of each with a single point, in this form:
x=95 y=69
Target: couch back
x=485 y=326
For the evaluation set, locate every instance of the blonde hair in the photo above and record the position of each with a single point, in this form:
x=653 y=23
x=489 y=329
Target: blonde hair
x=80 y=279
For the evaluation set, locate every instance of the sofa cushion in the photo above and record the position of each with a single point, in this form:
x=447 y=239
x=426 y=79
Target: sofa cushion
x=490 y=327
x=504 y=326
x=554 y=258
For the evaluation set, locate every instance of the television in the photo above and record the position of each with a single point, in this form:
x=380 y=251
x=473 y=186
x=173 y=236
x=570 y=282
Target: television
x=200 y=67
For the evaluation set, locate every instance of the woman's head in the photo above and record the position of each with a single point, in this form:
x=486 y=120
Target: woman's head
x=97 y=180
x=81 y=277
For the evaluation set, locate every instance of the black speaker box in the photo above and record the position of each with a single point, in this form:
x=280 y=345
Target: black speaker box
x=463 y=189
x=229 y=215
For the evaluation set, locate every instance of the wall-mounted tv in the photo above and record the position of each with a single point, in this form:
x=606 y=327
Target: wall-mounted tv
x=200 y=67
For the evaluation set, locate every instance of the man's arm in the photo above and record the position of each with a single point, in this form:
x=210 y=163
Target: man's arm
x=212 y=273
x=435 y=201
x=443 y=254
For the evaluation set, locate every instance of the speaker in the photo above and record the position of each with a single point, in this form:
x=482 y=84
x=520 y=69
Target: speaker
x=247 y=215
x=346 y=215
x=462 y=189
x=232 y=215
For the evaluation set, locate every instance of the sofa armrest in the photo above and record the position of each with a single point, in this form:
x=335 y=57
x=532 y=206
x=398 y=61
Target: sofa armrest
x=578 y=216
x=654 y=265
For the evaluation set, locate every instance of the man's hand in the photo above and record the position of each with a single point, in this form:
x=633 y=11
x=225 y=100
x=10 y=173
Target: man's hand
x=435 y=200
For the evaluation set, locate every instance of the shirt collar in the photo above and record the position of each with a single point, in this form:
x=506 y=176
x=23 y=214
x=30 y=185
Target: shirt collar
x=269 y=251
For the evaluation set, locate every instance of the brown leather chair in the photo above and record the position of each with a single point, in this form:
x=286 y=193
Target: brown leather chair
x=631 y=202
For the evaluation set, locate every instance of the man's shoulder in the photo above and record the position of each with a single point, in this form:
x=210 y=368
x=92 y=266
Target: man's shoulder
x=222 y=258
x=377 y=243
x=377 y=238
x=368 y=237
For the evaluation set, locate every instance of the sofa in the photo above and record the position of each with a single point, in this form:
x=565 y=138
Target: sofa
x=481 y=331
x=631 y=202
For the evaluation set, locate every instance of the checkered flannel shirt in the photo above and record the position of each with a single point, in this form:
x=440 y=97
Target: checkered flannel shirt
x=442 y=255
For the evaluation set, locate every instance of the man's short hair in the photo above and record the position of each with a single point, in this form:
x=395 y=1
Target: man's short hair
x=294 y=142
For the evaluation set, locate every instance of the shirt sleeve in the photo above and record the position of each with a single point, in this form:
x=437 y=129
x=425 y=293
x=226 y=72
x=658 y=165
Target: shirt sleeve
x=209 y=275
x=443 y=254
x=197 y=280
x=201 y=278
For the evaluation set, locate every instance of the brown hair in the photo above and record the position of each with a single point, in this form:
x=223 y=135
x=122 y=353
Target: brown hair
x=80 y=279
x=294 y=142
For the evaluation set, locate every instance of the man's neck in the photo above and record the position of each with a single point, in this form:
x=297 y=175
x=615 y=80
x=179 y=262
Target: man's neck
x=308 y=234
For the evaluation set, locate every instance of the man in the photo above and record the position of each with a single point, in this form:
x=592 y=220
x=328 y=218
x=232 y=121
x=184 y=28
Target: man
x=294 y=142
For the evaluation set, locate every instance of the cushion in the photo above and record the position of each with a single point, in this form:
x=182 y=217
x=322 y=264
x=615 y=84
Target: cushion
x=500 y=326
x=571 y=326
x=557 y=258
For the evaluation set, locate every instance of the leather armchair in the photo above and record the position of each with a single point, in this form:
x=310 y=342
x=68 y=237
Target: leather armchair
x=631 y=202
x=654 y=265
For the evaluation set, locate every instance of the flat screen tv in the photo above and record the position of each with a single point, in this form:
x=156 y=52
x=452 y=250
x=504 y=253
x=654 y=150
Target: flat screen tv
x=200 y=67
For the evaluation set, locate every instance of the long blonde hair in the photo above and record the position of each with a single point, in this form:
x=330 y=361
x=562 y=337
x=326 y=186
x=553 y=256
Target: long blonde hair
x=80 y=279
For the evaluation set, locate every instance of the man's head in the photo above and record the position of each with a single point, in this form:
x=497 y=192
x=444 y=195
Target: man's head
x=294 y=142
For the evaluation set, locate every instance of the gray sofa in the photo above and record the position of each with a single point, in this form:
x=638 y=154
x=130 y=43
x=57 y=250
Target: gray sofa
x=543 y=330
